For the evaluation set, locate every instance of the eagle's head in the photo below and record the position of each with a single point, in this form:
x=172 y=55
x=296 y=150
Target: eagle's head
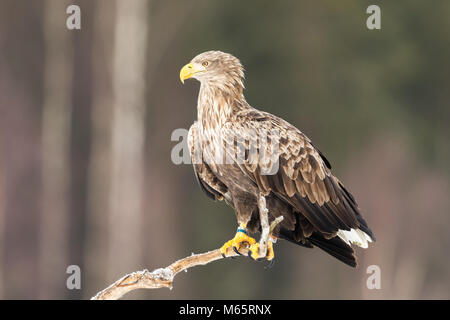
x=215 y=68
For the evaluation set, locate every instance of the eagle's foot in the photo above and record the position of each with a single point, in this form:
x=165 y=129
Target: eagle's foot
x=240 y=240
x=254 y=252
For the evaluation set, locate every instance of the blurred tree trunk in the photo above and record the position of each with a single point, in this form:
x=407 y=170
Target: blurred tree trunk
x=21 y=61
x=100 y=161
x=126 y=201
x=80 y=144
x=55 y=151
x=2 y=217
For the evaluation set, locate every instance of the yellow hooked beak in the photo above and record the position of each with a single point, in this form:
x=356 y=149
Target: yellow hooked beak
x=189 y=70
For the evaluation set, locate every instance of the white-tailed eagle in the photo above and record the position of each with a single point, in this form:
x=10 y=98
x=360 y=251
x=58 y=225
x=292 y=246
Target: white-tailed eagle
x=251 y=158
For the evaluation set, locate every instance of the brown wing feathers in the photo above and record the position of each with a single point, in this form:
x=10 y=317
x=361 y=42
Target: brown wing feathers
x=304 y=179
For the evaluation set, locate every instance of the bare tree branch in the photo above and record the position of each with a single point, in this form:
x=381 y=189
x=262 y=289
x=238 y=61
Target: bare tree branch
x=264 y=219
x=160 y=278
x=163 y=277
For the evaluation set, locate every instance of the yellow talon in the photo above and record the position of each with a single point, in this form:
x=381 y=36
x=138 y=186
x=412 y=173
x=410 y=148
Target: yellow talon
x=237 y=242
x=270 y=252
x=253 y=252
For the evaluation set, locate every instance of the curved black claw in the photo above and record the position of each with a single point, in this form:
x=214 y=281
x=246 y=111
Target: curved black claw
x=270 y=265
x=225 y=257
x=257 y=260
x=236 y=250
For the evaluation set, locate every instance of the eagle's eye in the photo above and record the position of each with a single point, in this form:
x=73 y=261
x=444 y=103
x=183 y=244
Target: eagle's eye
x=205 y=63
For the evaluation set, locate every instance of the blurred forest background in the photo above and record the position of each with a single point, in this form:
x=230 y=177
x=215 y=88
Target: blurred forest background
x=86 y=117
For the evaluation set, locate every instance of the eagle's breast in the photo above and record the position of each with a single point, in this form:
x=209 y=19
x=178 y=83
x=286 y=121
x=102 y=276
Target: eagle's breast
x=214 y=110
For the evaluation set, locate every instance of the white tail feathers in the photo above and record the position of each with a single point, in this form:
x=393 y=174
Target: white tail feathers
x=356 y=237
